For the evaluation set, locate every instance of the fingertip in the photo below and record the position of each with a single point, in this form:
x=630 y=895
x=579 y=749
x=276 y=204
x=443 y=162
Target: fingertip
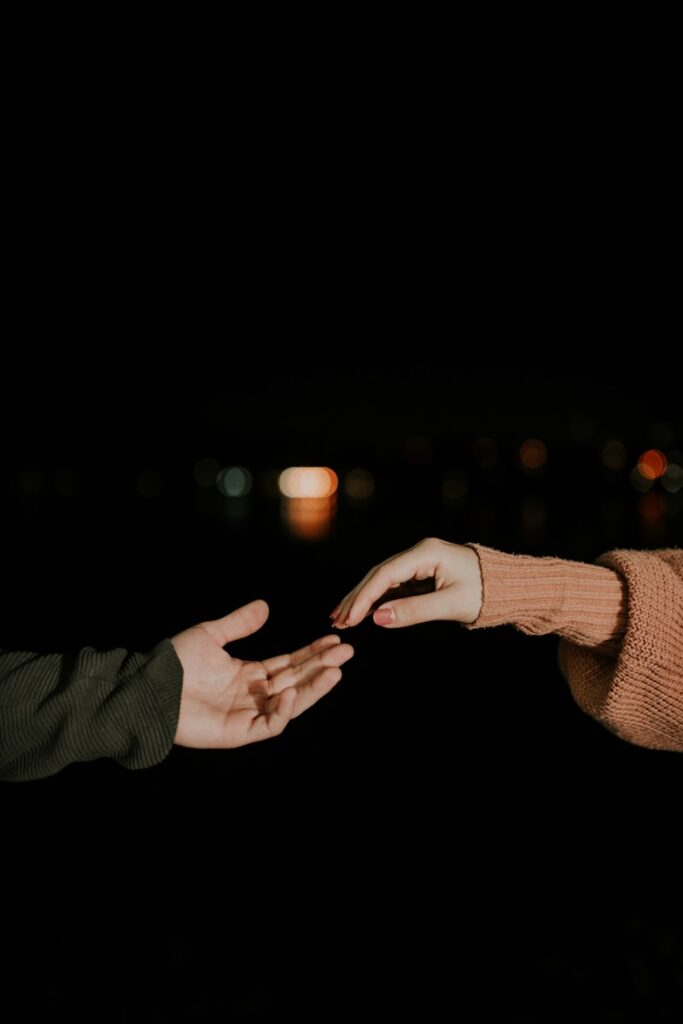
x=323 y=642
x=348 y=651
x=384 y=616
x=260 y=606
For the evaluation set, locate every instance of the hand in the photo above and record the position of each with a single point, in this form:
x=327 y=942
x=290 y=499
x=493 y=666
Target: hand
x=457 y=593
x=227 y=702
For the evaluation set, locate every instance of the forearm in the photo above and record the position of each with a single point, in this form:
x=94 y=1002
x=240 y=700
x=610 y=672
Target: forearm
x=582 y=603
x=56 y=709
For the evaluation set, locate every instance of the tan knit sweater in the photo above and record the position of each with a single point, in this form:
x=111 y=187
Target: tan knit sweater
x=621 y=624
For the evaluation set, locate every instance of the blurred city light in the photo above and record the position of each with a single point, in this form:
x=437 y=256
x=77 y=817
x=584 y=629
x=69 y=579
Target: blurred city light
x=582 y=428
x=672 y=479
x=308 y=482
x=309 y=500
x=652 y=508
x=533 y=513
x=149 y=483
x=454 y=488
x=419 y=450
x=359 y=484
x=234 y=482
x=206 y=471
x=614 y=455
x=652 y=464
x=309 y=518
x=485 y=450
x=533 y=454
x=269 y=483
x=640 y=482
x=31 y=479
x=661 y=435
x=66 y=482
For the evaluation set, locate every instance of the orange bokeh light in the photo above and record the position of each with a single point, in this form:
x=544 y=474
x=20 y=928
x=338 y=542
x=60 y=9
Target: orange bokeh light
x=309 y=518
x=308 y=482
x=652 y=464
x=533 y=454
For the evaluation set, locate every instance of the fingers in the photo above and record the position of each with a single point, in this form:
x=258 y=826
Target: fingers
x=276 y=717
x=397 y=570
x=311 y=692
x=303 y=673
x=411 y=610
x=242 y=622
x=283 y=661
x=292 y=702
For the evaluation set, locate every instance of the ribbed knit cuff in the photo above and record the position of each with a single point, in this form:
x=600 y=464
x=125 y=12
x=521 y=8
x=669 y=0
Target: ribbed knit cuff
x=157 y=706
x=584 y=603
x=640 y=696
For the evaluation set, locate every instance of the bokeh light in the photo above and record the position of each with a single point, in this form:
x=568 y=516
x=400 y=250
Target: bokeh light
x=661 y=435
x=206 y=471
x=652 y=508
x=269 y=483
x=533 y=455
x=31 y=479
x=234 y=482
x=419 y=450
x=309 y=518
x=308 y=482
x=359 y=484
x=640 y=482
x=652 y=464
x=582 y=427
x=485 y=450
x=672 y=479
x=454 y=488
x=66 y=482
x=533 y=513
x=149 y=483
x=614 y=455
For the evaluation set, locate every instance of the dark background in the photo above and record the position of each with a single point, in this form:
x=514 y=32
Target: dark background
x=447 y=826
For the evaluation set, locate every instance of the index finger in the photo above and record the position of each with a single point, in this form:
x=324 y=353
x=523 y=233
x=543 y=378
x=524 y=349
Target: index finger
x=357 y=604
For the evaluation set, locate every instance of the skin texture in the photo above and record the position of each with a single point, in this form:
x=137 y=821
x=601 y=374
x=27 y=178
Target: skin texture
x=453 y=569
x=227 y=702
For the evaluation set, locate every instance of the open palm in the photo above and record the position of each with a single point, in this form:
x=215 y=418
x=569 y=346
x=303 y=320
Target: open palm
x=227 y=702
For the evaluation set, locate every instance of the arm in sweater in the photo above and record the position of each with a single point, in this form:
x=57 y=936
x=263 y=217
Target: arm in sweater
x=132 y=707
x=55 y=709
x=621 y=624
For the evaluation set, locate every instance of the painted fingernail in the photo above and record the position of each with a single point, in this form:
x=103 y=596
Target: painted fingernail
x=384 y=616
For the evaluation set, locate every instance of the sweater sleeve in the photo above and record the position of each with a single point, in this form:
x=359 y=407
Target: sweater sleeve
x=621 y=624
x=56 y=709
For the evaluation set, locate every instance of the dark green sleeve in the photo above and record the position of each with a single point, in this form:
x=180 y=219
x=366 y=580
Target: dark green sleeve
x=56 y=709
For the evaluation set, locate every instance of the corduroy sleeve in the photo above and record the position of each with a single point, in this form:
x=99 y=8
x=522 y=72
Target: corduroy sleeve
x=56 y=709
x=621 y=624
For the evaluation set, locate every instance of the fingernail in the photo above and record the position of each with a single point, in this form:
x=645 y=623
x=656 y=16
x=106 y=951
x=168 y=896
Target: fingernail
x=333 y=614
x=384 y=616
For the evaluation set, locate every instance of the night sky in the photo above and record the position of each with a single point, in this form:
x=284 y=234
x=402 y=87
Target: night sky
x=447 y=824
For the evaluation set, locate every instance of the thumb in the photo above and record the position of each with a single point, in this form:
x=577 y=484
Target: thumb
x=242 y=622
x=411 y=610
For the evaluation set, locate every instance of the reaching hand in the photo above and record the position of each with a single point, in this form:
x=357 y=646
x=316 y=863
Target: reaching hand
x=457 y=593
x=227 y=702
